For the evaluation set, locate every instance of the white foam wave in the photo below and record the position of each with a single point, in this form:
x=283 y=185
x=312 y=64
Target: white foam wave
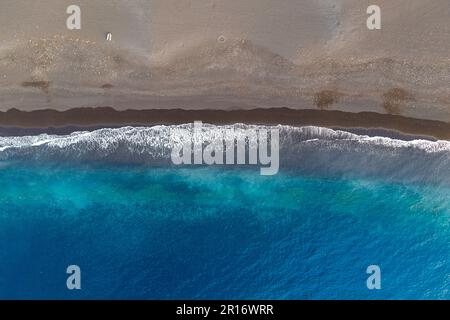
x=310 y=149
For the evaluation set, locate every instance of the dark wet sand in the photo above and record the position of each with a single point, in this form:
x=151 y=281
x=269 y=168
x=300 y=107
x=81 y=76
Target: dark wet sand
x=16 y=122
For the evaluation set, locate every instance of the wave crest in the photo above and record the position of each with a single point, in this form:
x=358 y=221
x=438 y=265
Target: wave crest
x=307 y=149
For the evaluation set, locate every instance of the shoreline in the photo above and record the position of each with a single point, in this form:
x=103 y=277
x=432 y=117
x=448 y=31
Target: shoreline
x=17 y=122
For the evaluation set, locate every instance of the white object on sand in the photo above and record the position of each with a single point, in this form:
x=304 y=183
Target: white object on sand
x=109 y=36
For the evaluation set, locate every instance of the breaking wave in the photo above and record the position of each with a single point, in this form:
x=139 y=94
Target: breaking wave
x=314 y=150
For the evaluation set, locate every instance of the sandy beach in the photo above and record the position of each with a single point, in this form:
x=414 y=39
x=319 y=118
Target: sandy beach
x=15 y=122
x=228 y=55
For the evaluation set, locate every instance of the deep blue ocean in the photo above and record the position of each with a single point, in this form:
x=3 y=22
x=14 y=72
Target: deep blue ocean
x=218 y=233
x=111 y=202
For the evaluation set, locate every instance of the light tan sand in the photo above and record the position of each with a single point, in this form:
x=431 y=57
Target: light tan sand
x=228 y=54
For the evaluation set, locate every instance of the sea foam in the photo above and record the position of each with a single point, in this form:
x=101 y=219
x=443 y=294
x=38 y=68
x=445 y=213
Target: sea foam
x=309 y=149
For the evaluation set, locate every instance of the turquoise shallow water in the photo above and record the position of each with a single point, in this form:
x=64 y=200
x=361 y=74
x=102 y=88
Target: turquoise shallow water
x=211 y=232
